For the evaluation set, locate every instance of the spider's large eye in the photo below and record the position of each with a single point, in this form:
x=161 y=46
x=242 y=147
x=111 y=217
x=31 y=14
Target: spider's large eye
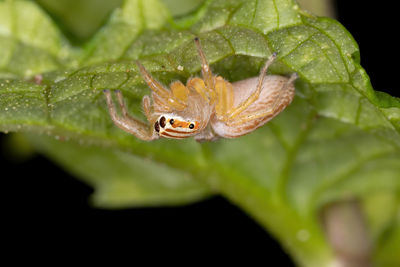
x=162 y=122
x=157 y=127
x=171 y=121
x=191 y=126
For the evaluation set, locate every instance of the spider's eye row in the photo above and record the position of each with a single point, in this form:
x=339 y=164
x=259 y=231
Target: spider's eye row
x=162 y=122
x=157 y=127
x=171 y=121
x=191 y=126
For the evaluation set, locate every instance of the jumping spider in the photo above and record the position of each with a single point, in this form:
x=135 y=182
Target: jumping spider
x=207 y=108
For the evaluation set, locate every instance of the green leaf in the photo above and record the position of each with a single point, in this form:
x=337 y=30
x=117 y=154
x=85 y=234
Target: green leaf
x=339 y=139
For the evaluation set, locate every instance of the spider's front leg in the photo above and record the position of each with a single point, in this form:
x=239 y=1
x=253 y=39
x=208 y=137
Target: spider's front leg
x=128 y=123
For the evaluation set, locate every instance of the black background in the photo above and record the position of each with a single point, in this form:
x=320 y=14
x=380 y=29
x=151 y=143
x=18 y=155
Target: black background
x=42 y=204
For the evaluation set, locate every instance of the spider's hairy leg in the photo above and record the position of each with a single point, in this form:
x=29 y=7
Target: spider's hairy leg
x=146 y=105
x=254 y=96
x=129 y=124
x=205 y=69
x=199 y=86
x=154 y=85
x=121 y=103
x=224 y=95
x=180 y=93
x=276 y=105
x=165 y=96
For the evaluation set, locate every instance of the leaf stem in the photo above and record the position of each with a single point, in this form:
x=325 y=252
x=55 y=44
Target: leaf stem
x=347 y=233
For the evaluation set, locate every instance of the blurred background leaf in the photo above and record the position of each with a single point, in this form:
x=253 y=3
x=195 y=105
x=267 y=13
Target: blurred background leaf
x=79 y=19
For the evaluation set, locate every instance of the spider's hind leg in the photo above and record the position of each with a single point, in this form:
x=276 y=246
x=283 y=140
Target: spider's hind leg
x=125 y=122
x=254 y=96
x=281 y=101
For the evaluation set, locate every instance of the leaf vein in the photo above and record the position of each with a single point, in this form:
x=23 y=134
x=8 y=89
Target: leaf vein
x=277 y=14
x=328 y=58
x=281 y=192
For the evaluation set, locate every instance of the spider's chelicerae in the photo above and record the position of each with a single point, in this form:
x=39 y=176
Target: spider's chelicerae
x=207 y=108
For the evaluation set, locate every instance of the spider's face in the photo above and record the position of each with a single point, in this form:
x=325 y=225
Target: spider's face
x=172 y=126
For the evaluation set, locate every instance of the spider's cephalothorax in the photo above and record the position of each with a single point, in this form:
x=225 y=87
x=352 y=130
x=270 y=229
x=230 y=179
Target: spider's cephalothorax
x=206 y=108
x=176 y=127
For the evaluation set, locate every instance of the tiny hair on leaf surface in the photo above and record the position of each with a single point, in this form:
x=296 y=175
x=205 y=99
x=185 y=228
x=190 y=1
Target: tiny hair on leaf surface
x=338 y=139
